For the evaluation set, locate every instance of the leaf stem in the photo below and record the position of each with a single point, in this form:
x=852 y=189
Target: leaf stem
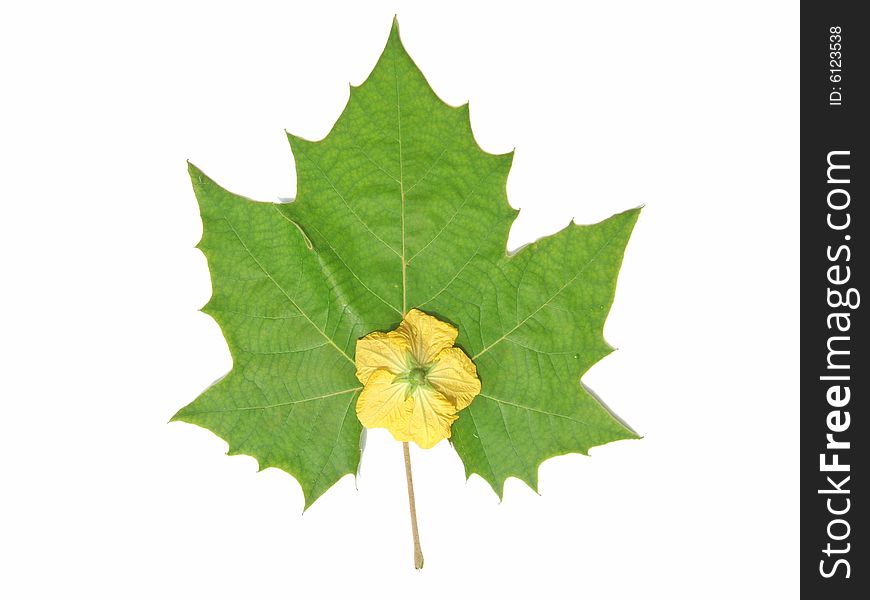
x=418 y=553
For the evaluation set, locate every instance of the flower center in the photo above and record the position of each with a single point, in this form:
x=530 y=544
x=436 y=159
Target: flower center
x=417 y=376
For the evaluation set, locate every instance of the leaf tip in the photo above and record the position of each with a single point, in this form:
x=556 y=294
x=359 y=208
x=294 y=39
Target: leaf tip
x=394 y=38
x=308 y=501
x=295 y=141
x=199 y=180
x=192 y=169
x=532 y=481
x=177 y=417
x=633 y=213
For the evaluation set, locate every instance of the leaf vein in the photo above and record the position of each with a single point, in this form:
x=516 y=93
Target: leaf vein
x=547 y=302
x=537 y=410
x=346 y=203
x=277 y=405
x=283 y=291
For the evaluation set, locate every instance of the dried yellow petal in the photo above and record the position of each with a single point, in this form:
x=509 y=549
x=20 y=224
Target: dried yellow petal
x=381 y=351
x=455 y=376
x=431 y=418
x=384 y=403
x=427 y=335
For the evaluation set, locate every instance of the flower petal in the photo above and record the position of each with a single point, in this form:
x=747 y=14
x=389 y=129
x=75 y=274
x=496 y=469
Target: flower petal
x=383 y=403
x=431 y=417
x=455 y=376
x=381 y=351
x=426 y=335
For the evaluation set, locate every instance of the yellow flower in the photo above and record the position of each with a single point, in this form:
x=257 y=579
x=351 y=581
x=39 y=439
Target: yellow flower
x=415 y=380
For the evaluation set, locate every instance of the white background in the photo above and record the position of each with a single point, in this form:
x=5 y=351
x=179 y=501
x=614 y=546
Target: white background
x=690 y=108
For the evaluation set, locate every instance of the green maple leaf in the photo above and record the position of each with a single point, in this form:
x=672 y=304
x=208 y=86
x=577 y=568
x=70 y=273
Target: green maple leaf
x=399 y=208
